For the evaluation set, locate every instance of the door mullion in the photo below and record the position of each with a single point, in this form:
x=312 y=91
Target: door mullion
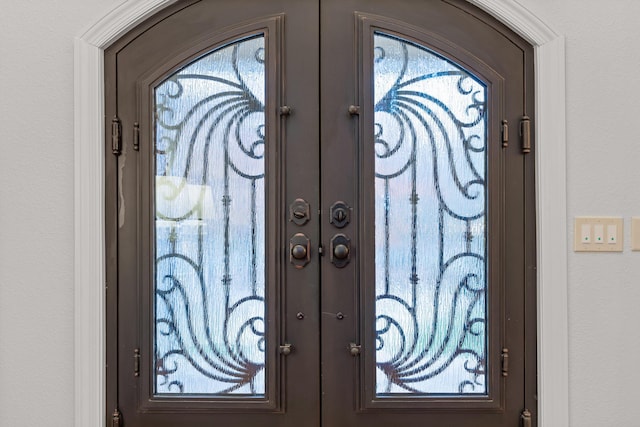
x=340 y=180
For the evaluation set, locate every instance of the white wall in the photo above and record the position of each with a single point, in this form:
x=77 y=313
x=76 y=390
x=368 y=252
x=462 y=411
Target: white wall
x=603 y=166
x=36 y=205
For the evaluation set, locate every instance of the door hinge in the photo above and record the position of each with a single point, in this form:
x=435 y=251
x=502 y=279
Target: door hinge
x=136 y=136
x=505 y=134
x=525 y=133
x=285 y=110
x=354 y=349
x=286 y=349
x=505 y=362
x=116 y=136
x=116 y=418
x=526 y=418
x=136 y=362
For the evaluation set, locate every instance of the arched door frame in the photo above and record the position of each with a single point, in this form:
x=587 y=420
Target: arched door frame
x=89 y=274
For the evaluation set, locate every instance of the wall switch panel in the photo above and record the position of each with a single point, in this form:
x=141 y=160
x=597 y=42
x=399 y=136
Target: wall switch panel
x=600 y=234
x=635 y=233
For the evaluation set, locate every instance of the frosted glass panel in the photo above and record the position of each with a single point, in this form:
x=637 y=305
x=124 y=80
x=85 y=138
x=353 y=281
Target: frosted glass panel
x=210 y=225
x=430 y=223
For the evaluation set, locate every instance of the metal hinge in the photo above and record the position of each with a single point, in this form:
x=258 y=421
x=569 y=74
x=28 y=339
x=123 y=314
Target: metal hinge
x=136 y=136
x=354 y=349
x=285 y=110
x=136 y=362
x=505 y=362
x=285 y=349
x=525 y=134
x=116 y=136
x=505 y=134
x=526 y=418
x=116 y=418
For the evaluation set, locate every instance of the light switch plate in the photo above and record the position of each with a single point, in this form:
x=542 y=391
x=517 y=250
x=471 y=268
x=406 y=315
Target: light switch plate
x=600 y=234
x=635 y=233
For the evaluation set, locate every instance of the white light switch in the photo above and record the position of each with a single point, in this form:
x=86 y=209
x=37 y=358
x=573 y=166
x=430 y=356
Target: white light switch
x=586 y=233
x=600 y=234
x=612 y=234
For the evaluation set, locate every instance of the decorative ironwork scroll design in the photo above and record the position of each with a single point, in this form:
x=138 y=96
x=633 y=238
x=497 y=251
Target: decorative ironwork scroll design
x=210 y=148
x=430 y=137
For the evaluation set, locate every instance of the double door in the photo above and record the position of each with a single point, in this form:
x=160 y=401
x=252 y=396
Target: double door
x=320 y=213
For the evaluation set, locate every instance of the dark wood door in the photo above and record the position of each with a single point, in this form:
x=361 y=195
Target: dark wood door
x=437 y=294
x=199 y=220
x=316 y=216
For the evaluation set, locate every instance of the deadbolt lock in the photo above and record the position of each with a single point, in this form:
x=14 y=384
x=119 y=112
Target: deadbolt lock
x=339 y=214
x=299 y=212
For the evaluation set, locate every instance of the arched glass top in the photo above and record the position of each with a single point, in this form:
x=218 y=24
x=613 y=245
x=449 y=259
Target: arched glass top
x=209 y=331
x=430 y=223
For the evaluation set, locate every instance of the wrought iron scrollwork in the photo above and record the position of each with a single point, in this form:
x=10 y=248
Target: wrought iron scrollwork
x=210 y=285
x=430 y=222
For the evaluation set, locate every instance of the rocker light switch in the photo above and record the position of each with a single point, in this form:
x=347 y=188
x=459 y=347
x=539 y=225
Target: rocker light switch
x=599 y=234
x=635 y=233
x=612 y=234
x=586 y=233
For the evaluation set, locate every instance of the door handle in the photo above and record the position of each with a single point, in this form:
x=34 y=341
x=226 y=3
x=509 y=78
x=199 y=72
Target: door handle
x=340 y=250
x=299 y=250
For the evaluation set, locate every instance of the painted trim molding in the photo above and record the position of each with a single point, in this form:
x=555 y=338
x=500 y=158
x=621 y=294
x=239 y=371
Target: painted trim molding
x=89 y=272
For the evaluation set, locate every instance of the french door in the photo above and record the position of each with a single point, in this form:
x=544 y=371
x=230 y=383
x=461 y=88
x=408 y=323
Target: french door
x=320 y=213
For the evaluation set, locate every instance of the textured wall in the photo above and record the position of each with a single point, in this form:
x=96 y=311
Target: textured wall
x=36 y=205
x=36 y=208
x=603 y=165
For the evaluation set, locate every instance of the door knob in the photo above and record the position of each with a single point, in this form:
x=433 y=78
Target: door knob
x=340 y=250
x=299 y=250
